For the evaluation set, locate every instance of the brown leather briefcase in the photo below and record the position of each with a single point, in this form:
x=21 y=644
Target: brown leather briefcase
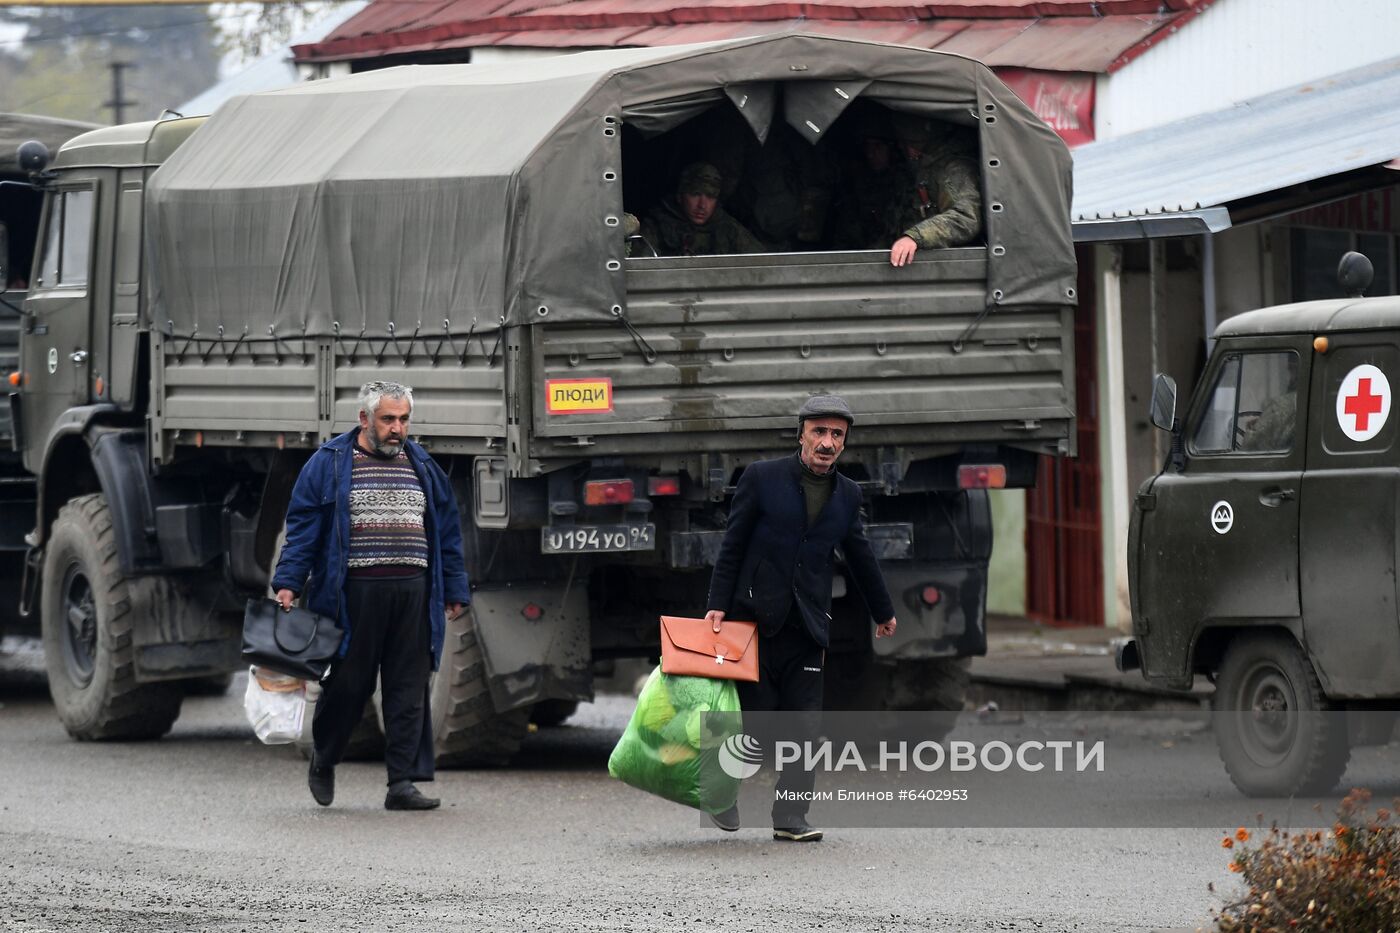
x=691 y=647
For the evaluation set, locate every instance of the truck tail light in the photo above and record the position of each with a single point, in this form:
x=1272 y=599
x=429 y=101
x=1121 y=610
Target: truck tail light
x=607 y=492
x=533 y=612
x=930 y=596
x=663 y=485
x=982 y=476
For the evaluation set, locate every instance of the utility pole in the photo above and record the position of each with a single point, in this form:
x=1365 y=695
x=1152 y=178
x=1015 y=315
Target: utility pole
x=119 y=102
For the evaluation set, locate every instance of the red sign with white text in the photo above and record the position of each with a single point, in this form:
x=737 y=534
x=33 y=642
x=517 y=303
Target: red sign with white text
x=1064 y=100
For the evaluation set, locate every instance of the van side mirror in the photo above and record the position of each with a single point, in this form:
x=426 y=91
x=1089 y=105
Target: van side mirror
x=1164 y=402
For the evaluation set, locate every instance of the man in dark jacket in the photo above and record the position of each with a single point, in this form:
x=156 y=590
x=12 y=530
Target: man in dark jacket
x=775 y=567
x=374 y=524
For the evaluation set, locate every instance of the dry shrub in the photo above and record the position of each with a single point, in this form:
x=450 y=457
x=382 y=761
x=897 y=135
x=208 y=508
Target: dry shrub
x=1343 y=880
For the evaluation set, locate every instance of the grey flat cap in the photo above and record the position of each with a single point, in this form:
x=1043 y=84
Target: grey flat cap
x=825 y=406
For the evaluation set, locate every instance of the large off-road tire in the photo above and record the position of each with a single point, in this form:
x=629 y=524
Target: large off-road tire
x=1277 y=732
x=935 y=686
x=467 y=729
x=549 y=713
x=87 y=608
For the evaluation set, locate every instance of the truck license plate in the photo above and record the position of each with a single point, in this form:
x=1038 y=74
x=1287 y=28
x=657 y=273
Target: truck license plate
x=596 y=539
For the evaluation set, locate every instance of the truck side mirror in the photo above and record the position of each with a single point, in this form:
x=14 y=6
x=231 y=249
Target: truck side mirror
x=1164 y=402
x=33 y=156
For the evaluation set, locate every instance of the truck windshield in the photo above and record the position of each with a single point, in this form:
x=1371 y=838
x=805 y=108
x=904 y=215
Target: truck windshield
x=68 y=240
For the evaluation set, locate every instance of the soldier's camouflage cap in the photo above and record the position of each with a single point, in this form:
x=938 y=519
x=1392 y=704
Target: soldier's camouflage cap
x=700 y=178
x=825 y=406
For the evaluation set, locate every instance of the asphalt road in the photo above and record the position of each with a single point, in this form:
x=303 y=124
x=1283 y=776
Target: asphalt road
x=208 y=830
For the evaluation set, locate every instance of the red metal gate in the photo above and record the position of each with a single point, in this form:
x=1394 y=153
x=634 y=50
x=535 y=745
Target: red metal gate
x=1064 y=540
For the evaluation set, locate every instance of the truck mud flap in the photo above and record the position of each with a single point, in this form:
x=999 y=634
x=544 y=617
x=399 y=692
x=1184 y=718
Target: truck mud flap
x=941 y=608
x=535 y=642
x=184 y=627
x=17 y=510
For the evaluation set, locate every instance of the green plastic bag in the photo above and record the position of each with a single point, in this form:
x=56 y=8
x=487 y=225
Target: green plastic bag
x=671 y=746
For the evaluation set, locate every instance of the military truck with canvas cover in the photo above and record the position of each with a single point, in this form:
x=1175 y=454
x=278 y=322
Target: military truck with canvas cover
x=20 y=204
x=461 y=229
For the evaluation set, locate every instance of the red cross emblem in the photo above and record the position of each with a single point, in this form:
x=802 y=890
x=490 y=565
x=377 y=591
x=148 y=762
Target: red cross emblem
x=1363 y=402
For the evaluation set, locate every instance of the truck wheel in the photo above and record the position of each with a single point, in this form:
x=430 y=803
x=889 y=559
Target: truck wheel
x=549 y=713
x=467 y=729
x=937 y=686
x=1277 y=732
x=86 y=613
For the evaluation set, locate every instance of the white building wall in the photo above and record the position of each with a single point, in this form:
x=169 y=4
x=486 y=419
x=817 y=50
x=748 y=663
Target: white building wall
x=1239 y=49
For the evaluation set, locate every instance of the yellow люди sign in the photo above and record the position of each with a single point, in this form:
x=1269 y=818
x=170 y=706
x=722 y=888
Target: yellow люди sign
x=578 y=396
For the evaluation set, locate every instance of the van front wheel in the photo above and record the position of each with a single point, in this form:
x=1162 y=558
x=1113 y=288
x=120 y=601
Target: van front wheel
x=1277 y=732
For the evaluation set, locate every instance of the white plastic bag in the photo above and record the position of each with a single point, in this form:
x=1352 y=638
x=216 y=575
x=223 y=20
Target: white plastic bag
x=276 y=706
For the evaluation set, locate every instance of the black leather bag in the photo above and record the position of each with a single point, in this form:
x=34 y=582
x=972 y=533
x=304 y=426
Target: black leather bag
x=297 y=642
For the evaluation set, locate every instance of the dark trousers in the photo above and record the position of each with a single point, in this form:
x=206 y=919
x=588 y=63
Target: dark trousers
x=789 y=680
x=388 y=640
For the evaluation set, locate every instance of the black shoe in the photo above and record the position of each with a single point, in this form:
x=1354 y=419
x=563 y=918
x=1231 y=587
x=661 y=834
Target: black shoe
x=411 y=799
x=321 y=780
x=797 y=830
x=728 y=820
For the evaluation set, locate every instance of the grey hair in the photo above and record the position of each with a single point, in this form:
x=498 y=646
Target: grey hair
x=372 y=393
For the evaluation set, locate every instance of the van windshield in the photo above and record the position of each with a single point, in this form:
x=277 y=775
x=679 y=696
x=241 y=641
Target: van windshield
x=1253 y=406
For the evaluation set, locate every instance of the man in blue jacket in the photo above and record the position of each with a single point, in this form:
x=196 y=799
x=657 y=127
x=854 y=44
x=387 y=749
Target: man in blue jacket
x=373 y=523
x=787 y=518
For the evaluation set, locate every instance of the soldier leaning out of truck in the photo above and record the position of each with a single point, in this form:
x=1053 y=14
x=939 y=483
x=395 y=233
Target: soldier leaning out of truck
x=374 y=523
x=692 y=223
x=940 y=204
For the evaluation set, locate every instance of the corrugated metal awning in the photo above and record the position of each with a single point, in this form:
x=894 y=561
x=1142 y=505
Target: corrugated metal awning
x=1269 y=144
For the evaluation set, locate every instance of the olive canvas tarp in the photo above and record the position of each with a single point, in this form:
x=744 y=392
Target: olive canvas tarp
x=461 y=196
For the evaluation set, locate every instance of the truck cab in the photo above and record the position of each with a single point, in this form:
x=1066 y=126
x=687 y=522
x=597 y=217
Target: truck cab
x=1264 y=554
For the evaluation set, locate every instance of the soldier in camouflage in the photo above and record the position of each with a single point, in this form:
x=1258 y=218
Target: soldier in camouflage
x=943 y=205
x=693 y=223
x=876 y=180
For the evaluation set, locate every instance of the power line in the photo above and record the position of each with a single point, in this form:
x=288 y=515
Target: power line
x=207 y=21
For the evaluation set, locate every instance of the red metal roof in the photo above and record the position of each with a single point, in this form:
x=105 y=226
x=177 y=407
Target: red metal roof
x=1055 y=35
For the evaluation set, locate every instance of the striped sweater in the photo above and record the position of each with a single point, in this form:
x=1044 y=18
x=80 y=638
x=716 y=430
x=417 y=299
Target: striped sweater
x=386 y=514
